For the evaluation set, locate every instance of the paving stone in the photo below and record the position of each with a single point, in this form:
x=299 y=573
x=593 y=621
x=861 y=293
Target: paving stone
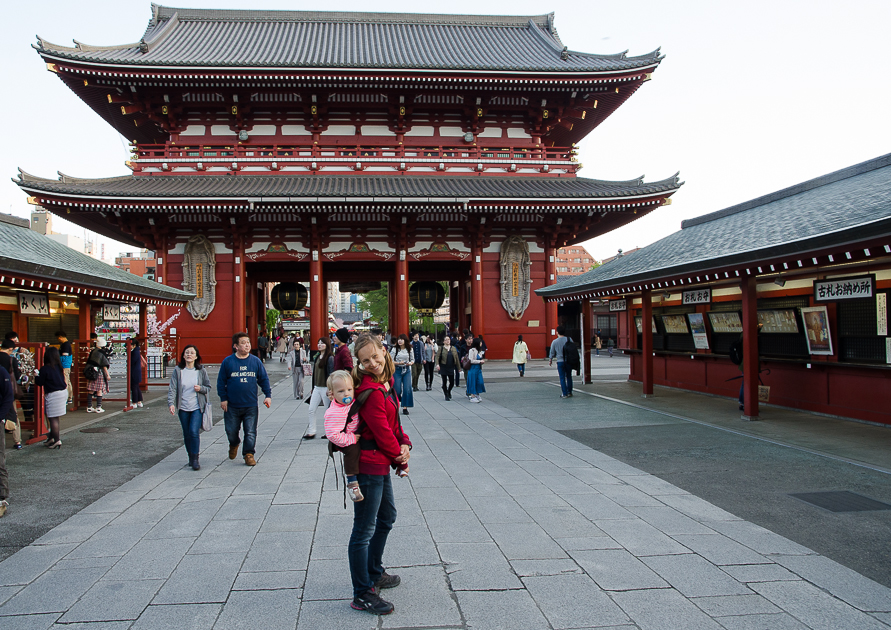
x=410 y=546
x=180 y=616
x=652 y=485
x=815 y=608
x=659 y=609
x=8 y=591
x=54 y=591
x=176 y=487
x=328 y=579
x=727 y=605
x=422 y=600
x=477 y=566
x=847 y=585
x=145 y=512
x=628 y=496
x=269 y=580
x=759 y=539
x=297 y=517
x=696 y=508
x=113 y=600
x=279 y=551
x=30 y=622
x=93 y=625
x=587 y=543
x=335 y=615
x=597 y=507
x=617 y=570
x=245 y=507
x=449 y=499
x=273 y=610
x=187 y=520
x=640 y=538
x=76 y=529
x=456 y=526
x=498 y=509
x=259 y=481
x=694 y=576
x=150 y=559
x=227 y=536
x=537 y=568
x=758 y=573
x=114 y=502
x=199 y=579
x=26 y=564
x=573 y=601
x=719 y=549
x=112 y=540
x=87 y=563
x=780 y=621
x=497 y=610
x=591 y=475
x=298 y=492
x=524 y=541
x=669 y=521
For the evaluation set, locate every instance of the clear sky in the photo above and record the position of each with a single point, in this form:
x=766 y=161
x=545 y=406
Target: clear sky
x=751 y=97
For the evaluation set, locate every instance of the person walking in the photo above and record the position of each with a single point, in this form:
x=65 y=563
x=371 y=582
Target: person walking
x=373 y=518
x=55 y=394
x=187 y=396
x=7 y=400
x=447 y=364
x=240 y=375
x=322 y=369
x=403 y=357
x=296 y=358
x=10 y=363
x=475 y=384
x=429 y=353
x=419 y=358
x=521 y=355
x=463 y=348
x=557 y=353
x=598 y=344
x=66 y=354
x=262 y=345
x=281 y=346
x=136 y=397
x=98 y=387
x=343 y=360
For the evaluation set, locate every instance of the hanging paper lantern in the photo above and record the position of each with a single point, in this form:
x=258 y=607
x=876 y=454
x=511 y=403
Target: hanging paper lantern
x=289 y=296
x=359 y=287
x=426 y=296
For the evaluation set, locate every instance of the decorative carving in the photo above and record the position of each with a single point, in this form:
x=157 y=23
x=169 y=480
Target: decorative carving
x=515 y=276
x=199 y=276
x=254 y=257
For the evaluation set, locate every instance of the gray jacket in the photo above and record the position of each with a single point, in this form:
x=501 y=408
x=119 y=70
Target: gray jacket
x=174 y=390
x=557 y=349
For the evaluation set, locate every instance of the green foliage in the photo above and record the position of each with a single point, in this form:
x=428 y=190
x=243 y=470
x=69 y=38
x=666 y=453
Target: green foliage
x=272 y=316
x=377 y=303
x=596 y=264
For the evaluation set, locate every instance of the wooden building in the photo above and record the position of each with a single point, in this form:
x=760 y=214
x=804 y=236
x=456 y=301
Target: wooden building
x=811 y=264
x=319 y=147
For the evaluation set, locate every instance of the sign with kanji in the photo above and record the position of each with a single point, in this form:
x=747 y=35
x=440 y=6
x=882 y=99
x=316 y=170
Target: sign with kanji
x=618 y=305
x=699 y=296
x=844 y=288
x=34 y=304
x=111 y=312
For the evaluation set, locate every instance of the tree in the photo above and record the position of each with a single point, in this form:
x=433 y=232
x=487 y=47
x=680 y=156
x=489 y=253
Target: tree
x=377 y=304
x=271 y=319
x=596 y=264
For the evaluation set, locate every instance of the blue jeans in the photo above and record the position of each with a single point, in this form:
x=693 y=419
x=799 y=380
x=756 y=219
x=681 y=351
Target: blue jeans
x=373 y=519
x=191 y=421
x=233 y=419
x=402 y=386
x=565 y=378
x=521 y=368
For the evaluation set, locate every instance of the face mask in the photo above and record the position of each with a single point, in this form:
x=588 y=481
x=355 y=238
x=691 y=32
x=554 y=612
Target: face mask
x=347 y=400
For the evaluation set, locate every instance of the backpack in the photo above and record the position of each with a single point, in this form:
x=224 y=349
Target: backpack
x=736 y=352
x=571 y=356
x=91 y=372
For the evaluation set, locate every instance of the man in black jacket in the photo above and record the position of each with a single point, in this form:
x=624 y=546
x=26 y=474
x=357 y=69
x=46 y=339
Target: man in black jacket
x=7 y=400
x=11 y=365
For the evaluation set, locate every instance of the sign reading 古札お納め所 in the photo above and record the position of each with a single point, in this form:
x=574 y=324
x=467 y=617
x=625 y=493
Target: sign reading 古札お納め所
x=844 y=288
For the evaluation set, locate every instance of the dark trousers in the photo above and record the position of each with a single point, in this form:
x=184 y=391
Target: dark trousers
x=373 y=519
x=428 y=374
x=351 y=456
x=416 y=373
x=4 y=476
x=236 y=417
x=448 y=382
x=135 y=392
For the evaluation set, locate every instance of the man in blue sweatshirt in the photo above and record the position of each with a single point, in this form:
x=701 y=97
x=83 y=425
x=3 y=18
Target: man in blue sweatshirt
x=240 y=374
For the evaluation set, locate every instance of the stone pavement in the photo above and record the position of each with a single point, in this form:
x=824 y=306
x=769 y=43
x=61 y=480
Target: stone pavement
x=503 y=523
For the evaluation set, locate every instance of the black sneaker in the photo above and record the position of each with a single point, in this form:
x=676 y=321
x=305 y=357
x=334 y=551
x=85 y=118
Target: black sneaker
x=387 y=581
x=371 y=602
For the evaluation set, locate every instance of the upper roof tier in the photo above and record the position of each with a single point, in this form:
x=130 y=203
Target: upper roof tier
x=201 y=38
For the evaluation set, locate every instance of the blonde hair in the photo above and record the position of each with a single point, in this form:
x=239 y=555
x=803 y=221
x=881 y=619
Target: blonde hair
x=366 y=339
x=338 y=375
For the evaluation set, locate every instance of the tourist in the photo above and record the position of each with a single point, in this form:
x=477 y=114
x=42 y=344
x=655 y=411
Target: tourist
x=136 y=397
x=7 y=400
x=240 y=375
x=463 y=348
x=557 y=353
x=66 y=355
x=296 y=358
x=11 y=364
x=419 y=358
x=97 y=387
x=262 y=345
x=447 y=364
x=474 y=377
x=373 y=518
x=403 y=358
x=343 y=360
x=323 y=366
x=598 y=344
x=521 y=355
x=429 y=353
x=281 y=346
x=55 y=394
x=187 y=395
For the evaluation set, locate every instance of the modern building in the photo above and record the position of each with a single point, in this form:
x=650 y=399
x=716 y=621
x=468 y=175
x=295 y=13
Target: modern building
x=332 y=147
x=142 y=263
x=573 y=261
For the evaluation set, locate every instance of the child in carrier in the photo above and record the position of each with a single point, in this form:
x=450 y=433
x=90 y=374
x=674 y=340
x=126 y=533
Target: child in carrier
x=341 y=432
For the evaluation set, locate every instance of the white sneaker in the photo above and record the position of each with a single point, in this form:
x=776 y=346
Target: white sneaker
x=101 y=410
x=90 y=410
x=4 y=505
x=139 y=404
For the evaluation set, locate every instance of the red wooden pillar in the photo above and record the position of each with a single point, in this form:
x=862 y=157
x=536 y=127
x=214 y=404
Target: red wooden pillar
x=238 y=286
x=143 y=320
x=253 y=321
x=587 y=340
x=551 y=307
x=318 y=299
x=647 y=337
x=401 y=321
x=477 y=324
x=85 y=318
x=750 y=348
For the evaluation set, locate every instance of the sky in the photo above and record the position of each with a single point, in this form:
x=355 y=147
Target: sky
x=751 y=97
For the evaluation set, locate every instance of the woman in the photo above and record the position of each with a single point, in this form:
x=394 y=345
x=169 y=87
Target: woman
x=521 y=355
x=99 y=386
x=324 y=365
x=296 y=359
x=135 y=373
x=187 y=394
x=281 y=346
x=373 y=518
x=55 y=393
x=447 y=364
x=403 y=358
x=475 y=385
x=429 y=353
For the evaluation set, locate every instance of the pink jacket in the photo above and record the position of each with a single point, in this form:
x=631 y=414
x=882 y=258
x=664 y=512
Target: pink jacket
x=335 y=419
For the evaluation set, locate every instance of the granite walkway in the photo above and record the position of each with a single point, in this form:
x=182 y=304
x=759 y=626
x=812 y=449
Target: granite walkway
x=503 y=523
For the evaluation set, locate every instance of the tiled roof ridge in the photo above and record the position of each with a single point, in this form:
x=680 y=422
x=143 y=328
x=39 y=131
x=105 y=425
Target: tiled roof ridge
x=818 y=182
x=68 y=179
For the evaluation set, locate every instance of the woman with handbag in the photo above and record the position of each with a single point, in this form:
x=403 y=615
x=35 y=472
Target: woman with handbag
x=403 y=358
x=322 y=368
x=55 y=393
x=296 y=361
x=187 y=394
x=475 y=384
x=98 y=386
x=521 y=355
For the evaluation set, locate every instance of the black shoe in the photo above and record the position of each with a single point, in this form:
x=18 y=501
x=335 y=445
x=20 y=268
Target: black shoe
x=387 y=581
x=404 y=411
x=415 y=389
x=371 y=602
x=309 y=437
x=742 y=408
x=195 y=464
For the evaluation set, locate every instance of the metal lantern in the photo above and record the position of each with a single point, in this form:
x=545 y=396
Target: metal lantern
x=289 y=296
x=359 y=287
x=426 y=296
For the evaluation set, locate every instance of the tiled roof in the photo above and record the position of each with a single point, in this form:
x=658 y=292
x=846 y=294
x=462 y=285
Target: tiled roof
x=326 y=39
x=338 y=187
x=853 y=203
x=24 y=251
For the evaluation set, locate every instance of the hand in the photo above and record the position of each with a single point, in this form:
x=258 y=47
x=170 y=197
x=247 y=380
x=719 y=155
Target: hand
x=224 y=405
x=197 y=388
x=404 y=455
x=172 y=410
x=267 y=401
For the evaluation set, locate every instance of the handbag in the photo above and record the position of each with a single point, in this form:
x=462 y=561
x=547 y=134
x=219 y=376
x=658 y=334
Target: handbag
x=10 y=426
x=528 y=356
x=465 y=362
x=307 y=369
x=207 y=417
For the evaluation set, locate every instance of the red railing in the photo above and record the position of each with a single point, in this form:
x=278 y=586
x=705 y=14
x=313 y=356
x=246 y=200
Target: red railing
x=32 y=403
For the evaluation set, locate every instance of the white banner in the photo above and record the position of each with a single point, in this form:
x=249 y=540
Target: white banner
x=844 y=288
x=618 y=305
x=882 y=314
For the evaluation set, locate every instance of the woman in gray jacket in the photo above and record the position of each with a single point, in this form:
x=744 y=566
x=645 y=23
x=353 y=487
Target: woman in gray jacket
x=187 y=394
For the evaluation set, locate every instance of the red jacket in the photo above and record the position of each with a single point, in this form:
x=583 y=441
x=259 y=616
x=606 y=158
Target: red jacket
x=343 y=360
x=380 y=415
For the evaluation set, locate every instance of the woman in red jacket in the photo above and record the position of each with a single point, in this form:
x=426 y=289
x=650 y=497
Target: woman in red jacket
x=383 y=443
